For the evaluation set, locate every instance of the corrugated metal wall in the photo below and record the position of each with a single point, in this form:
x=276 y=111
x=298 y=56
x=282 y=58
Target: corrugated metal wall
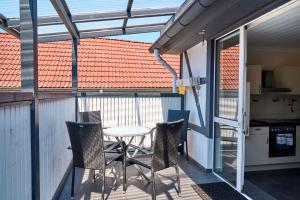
x=15 y=152
x=54 y=140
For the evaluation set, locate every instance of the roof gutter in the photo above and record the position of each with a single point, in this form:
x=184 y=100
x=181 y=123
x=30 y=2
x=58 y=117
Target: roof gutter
x=186 y=14
x=168 y=67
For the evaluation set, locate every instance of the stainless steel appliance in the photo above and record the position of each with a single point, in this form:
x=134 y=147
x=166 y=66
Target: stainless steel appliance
x=282 y=140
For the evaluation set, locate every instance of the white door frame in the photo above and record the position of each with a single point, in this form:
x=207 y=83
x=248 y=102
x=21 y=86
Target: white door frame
x=241 y=119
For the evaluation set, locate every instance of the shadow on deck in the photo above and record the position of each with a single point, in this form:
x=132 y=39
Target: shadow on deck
x=138 y=188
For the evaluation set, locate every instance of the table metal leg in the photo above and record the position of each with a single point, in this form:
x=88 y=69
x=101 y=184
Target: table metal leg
x=140 y=146
x=138 y=168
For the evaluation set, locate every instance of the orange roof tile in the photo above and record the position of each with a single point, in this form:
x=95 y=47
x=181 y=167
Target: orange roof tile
x=102 y=63
x=229 y=68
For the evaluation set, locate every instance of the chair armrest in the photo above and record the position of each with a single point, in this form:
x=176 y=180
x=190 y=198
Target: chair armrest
x=144 y=151
x=152 y=130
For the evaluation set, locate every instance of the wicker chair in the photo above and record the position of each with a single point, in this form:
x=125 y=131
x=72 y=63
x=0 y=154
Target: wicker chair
x=174 y=115
x=95 y=116
x=164 y=153
x=88 y=149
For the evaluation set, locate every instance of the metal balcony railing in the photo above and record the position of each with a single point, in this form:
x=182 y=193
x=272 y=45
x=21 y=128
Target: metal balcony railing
x=54 y=110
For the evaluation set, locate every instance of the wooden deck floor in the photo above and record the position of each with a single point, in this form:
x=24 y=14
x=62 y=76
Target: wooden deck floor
x=138 y=188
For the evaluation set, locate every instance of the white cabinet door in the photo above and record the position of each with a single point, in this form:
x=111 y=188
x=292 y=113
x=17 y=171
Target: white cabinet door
x=257 y=149
x=254 y=77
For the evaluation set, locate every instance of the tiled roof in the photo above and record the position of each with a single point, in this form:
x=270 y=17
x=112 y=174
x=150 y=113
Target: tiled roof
x=102 y=63
x=229 y=68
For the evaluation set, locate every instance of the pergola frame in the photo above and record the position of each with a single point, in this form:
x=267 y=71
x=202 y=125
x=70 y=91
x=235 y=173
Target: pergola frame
x=4 y=25
x=26 y=29
x=51 y=37
x=65 y=17
x=64 y=13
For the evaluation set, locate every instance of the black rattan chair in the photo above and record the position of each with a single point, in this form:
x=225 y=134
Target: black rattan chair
x=174 y=115
x=95 y=116
x=88 y=149
x=164 y=153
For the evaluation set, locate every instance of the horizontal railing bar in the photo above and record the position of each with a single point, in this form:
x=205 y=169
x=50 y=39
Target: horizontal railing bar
x=128 y=95
x=15 y=103
x=53 y=96
x=10 y=97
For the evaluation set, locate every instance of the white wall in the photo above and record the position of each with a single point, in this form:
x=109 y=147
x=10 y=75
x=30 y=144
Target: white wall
x=275 y=106
x=15 y=149
x=270 y=58
x=270 y=106
x=15 y=152
x=54 y=140
x=200 y=146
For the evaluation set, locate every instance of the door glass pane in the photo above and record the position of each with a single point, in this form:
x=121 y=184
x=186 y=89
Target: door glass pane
x=227 y=77
x=225 y=154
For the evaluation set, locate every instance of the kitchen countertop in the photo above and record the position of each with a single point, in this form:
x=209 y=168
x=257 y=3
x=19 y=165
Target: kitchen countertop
x=274 y=122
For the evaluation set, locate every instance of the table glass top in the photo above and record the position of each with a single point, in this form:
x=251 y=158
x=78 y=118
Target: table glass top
x=126 y=131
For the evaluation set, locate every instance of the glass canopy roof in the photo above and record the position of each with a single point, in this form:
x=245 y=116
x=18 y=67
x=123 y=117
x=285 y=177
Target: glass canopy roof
x=91 y=18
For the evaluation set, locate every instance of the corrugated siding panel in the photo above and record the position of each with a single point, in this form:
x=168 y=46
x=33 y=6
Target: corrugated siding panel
x=15 y=156
x=54 y=140
x=129 y=111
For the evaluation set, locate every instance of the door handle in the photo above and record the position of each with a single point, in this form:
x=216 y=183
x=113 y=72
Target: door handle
x=245 y=125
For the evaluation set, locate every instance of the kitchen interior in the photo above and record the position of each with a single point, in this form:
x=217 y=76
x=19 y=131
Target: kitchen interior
x=272 y=144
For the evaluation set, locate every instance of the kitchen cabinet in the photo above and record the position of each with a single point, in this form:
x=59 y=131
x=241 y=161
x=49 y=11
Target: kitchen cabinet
x=257 y=146
x=257 y=149
x=254 y=76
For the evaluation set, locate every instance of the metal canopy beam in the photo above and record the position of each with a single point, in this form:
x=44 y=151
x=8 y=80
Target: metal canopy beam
x=65 y=15
x=74 y=66
x=102 y=32
x=4 y=26
x=75 y=73
x=29 y=83
x=128 y=10
x=92 y=17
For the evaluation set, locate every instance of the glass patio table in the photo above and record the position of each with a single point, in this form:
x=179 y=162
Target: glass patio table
x=130 y=131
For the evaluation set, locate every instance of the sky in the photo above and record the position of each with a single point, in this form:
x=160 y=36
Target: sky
x=10 y=9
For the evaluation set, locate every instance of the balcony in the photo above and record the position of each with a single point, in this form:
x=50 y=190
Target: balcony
x=35 y=161
x=55 y=159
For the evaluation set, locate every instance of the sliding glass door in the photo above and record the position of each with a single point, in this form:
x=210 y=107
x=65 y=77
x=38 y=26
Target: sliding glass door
x=229 y=107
